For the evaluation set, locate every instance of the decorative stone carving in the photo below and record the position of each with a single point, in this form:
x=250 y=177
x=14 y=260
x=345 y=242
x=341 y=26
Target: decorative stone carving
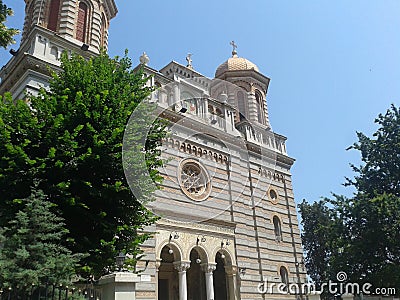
x=196 y=150
x=188 y=234
x=209 y=267
x=270 y=174
x=194 y=180
x=182 y=266
x=197 y=226
x=144 y=59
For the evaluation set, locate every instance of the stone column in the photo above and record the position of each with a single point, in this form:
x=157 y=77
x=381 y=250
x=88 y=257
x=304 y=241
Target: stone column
x=206 y=114
x=182 y=267
x=208 y=270
x=176 y=94
x=231 y=272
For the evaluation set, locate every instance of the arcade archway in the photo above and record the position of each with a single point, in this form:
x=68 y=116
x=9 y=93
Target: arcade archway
x=195 y=275
x=168 y=284
x=220 y=278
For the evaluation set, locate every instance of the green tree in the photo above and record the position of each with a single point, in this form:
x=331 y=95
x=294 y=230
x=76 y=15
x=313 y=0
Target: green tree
x=31 y=251
x=6 y=34
x=361 y=234
x=70 y=138
x=379 y=173
x=371 y=247
x=316 y=220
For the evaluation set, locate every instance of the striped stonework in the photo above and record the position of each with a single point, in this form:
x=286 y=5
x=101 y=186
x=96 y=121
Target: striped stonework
x=249 y=169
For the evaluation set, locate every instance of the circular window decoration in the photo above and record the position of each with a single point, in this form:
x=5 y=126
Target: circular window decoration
x=194 y=180
x=273 y=195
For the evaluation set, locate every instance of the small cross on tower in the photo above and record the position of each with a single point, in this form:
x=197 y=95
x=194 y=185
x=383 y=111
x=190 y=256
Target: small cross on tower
x=189 y=61
x=234 y=46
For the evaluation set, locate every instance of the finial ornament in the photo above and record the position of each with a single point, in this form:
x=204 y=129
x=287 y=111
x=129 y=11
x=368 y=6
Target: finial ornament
x=189 y=60
x=234 y=46
x=144 y=59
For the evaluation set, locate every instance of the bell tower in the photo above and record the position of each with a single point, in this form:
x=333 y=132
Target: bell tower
x=83 y=21
x=250 y=97
x=50 y=28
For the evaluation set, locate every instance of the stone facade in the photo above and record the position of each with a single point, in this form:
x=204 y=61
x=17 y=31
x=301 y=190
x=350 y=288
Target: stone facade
x=228 y=213
x=242 y=208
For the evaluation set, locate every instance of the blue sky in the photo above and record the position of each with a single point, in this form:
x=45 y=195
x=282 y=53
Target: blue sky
x=334 y=66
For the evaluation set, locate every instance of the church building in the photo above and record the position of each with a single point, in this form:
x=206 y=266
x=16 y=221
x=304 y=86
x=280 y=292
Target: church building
x=228 y=227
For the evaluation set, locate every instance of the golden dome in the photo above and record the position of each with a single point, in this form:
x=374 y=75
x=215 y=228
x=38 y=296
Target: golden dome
x=235 y=63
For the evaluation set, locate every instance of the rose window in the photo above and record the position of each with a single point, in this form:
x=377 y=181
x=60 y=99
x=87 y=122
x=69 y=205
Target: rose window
x=194 y=180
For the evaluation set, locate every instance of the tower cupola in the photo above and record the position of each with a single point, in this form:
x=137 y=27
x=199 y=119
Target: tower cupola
x=250 y=98
x=79 y=21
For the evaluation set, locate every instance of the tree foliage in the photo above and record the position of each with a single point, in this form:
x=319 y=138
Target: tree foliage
x=316 y=221
x=70 y=138
x=381 y=157
x=361 y=235
x=31 y=251
x=6 y=34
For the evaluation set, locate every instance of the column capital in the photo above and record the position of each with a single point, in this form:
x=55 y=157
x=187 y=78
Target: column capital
x=158 y=263
x=182 y=266
x=208 y=267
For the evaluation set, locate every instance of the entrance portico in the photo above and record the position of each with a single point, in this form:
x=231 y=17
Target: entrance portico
x=203 y=270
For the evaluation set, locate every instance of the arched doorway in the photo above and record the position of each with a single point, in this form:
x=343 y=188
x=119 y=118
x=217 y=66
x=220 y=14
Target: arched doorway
x=168 y=282
x=195 y=275
x=220 y=278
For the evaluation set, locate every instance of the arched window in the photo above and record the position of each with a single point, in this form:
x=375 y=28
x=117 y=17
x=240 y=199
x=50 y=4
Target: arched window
x=277 y=228
x=82 y=22
x=103 y=31
x=284 y=276
x=241 y=106
x=54 y=52
x=54 y=12
x=260 y=107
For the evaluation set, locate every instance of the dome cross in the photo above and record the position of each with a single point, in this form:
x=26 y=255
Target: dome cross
x=234 y=46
